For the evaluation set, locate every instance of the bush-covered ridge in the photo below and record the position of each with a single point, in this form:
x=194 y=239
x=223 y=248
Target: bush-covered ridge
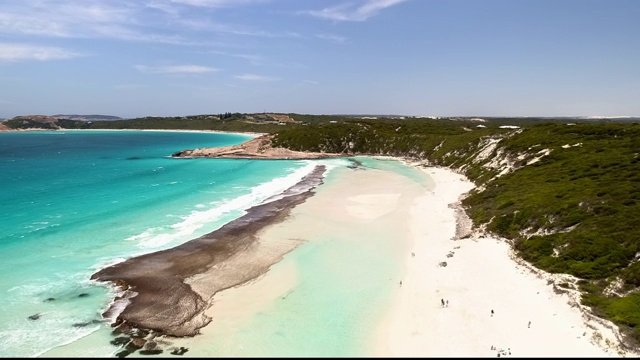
x=567 y=195
x=223 y=122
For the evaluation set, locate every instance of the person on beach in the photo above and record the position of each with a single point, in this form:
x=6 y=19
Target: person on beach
x=442 y=301
x=447 y=303
x=413 y=254
x=529 y=325
x=400 y=283
x=491 y=312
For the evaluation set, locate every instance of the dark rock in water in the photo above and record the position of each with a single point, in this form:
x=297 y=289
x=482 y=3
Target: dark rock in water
x=179 y=153
x=354 y=164
x=120 y=341
x=87 y=323
x=138 y=342
x=139 y=333
x=121 y=328
x=83 y=295
x=116 y=324
x=123 y=354
x=134 y=158
x=135 y=344
x=121 y=284
x=179 y=351
x=151 y=352
x=49 y=299
x=165 y=301
x=126 y=329
x=150 y=345
x=34 y=317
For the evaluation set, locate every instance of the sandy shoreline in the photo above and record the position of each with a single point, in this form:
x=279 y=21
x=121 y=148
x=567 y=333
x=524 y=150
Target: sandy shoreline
x=480 y=276
x=259 y=147
x=496 y=305
x=251 y=134
x=172 y=287
x=352 y=210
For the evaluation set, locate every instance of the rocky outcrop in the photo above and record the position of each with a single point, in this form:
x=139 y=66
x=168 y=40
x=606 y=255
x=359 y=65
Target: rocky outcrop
x=174 y=286
x=4 y=127
x=257 y=148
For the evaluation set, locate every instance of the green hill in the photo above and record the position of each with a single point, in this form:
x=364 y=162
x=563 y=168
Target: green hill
x=567 y=195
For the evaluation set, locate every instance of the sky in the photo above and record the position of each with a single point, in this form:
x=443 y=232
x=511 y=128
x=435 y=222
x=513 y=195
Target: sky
x=134 y=58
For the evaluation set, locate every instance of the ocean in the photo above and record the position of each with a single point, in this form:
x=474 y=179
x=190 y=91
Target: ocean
x=74 y=202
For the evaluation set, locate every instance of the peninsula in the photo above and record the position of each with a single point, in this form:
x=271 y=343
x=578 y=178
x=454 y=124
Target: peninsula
x=167 y=292
x=260 y=147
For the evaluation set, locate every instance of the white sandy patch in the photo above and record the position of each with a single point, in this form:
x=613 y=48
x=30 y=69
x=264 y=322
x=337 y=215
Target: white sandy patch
x=235 y=306
x=479 y=276
x=369 y=207
x=355 y=205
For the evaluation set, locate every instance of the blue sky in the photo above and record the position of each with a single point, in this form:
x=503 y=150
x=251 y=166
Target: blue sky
x=133 y=58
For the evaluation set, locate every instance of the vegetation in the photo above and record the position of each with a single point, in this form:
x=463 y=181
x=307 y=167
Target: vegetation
x=569 y=205
x=566 y=194
x=230 y=122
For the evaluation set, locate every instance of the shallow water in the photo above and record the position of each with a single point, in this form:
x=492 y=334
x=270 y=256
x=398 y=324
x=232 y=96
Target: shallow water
x=325 y=298
x=78 y=201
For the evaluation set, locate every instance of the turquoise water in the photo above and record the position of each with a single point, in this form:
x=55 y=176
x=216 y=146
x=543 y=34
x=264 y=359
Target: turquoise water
x=74 y=202
x=77 y=201
x=343 y=285
x=396 y=166
x=343 y=291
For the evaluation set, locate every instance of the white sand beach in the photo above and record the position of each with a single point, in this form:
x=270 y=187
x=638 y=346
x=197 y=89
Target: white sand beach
x=480 y=277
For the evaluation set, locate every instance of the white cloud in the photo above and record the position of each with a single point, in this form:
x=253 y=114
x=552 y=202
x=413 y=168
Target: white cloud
x=153 y=21
x=208 y=25
x=18 y=52
x=253 y=59
x=163 y=7
x=333 y=38
x=61 y=18
x=175 y=69
x=215 y=3
x=350 y=12
x=254 y=77
x=114 y=19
